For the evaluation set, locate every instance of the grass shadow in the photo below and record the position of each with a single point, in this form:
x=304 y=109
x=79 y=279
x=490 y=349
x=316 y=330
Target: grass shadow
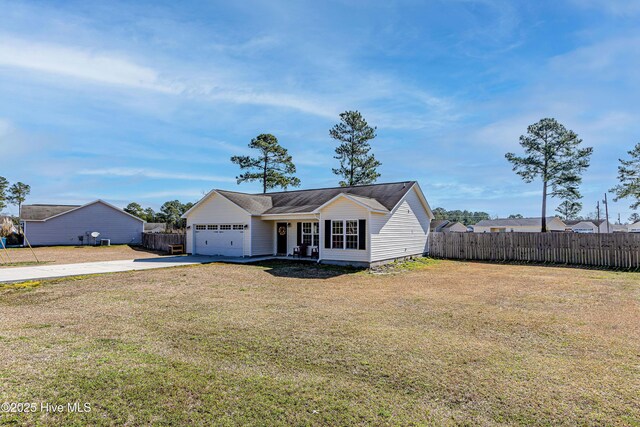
x=305 y=269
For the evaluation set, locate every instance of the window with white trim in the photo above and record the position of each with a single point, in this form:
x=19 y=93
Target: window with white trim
x=310 y=234
x=238 y=227
x=337 y=235
x=201 y=227
x=225 y=227
x=351 y=234
x=212 y=227
x=307 y=237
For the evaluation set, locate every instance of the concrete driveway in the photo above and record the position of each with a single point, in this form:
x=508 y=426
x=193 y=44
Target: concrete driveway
x=21 y=274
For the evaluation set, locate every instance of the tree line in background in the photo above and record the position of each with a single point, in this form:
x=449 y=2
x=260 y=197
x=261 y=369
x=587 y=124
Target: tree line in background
x=170 y=213
x=466 y=217
x=14 y=194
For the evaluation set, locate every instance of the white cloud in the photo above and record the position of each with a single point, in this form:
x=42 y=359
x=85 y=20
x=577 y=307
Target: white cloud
x=79 y=63
x=112 y=69
x=153 y=174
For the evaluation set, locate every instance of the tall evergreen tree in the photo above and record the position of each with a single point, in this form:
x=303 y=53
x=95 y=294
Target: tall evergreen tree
x=569 y=209
x=171 y=213
x=357 y=165
x=553 y=154
x=18 y=194
x=4 y=184
x=629 y=177
x=273 y=167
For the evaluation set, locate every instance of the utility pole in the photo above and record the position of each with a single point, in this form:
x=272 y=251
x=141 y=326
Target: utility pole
x=619 y=222
x=606 y=209
x=598 y=211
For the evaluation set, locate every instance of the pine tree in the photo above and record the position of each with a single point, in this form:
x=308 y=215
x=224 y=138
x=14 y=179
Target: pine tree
x=553 y=154
x=569 y=209
x=274 y=167
x=3 y=192
x=357 y=165
x=18 y=194
x=629 y=177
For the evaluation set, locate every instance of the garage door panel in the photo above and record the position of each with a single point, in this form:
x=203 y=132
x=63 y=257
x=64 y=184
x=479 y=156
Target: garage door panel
x=219 y=242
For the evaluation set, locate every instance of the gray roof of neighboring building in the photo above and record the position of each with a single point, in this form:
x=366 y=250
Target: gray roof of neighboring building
x=41 y=212
x=511 y=222
x=375 y=196
x=453 y=223
x=438 y=224
x=578 y=221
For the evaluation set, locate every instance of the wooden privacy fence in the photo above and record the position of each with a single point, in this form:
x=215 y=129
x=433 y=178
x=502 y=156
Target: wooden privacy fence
x=616 y=250
x=161 y=241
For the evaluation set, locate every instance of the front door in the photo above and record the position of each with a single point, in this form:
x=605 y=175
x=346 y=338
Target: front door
x=281 y=237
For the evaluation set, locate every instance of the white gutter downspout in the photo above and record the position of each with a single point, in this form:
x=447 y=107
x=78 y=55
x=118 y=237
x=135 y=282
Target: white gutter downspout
x=320 y=237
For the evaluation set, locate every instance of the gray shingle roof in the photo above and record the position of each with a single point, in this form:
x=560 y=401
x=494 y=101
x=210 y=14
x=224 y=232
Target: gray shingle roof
x=41 y=212
x=376 y=196
x=510 y=222
x=577 y=221
x=438 y=224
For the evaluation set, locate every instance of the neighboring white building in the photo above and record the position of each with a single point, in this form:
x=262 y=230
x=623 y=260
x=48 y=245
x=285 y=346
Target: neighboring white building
x=518 y=225
x=634 y=228
x=155 y=227
x=361 y=225
x=620 y=228
x=590 y=226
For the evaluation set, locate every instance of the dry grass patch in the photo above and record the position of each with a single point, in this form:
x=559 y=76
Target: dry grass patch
x=281 y=343
x=23 y=257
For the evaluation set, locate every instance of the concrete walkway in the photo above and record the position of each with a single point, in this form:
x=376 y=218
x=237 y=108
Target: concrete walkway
x=21 y=274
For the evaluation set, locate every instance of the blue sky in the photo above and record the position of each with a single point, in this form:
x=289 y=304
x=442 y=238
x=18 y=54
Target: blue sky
x=147 y=101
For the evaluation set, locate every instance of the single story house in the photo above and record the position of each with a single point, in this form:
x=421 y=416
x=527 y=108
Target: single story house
x=518 y=225
x=619 y=228
x=361 y=225
x=634 y=228
x=48 y=225
x=589 y=226
x=446 y=226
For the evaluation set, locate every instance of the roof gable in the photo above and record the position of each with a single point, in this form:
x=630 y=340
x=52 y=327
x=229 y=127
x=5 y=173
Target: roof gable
x=365 y=202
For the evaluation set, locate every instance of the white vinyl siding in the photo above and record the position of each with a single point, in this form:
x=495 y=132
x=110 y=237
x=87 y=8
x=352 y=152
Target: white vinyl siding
x=342 y=210
x=402 y=232
x=262 y=237
x=218 y=210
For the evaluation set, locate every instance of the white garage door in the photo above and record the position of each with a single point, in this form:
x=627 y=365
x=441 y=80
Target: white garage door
x=219 y=239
